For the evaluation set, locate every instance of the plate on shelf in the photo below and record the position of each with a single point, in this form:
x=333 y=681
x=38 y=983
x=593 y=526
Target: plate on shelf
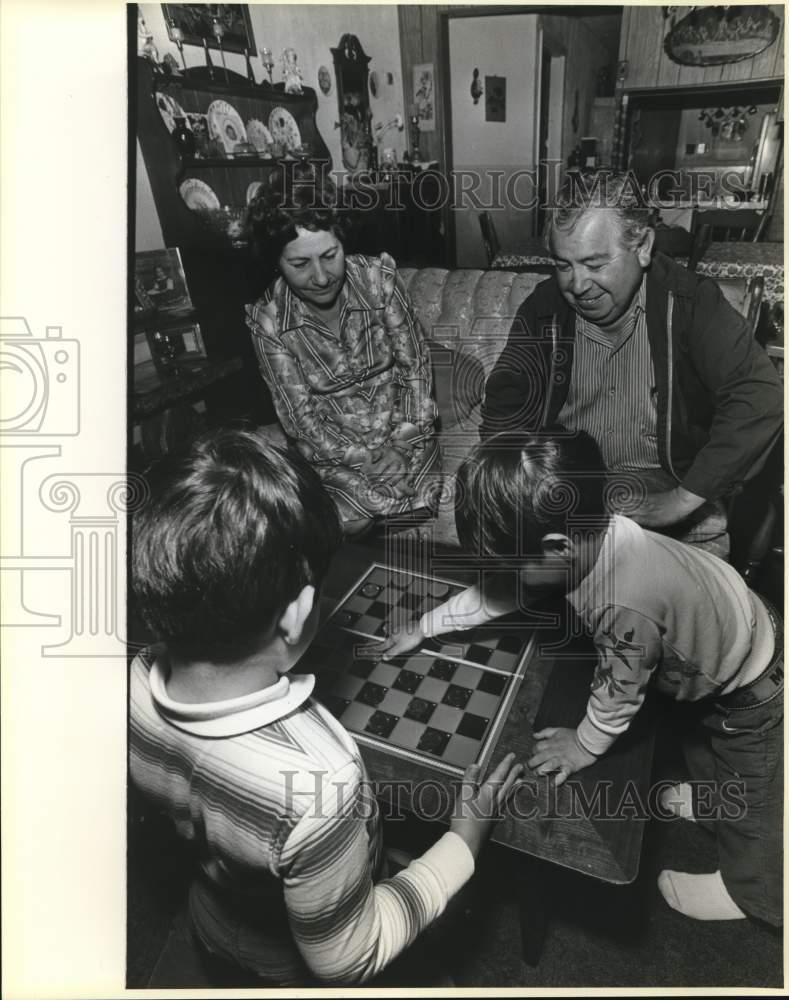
x=252 y=190
x=198 y=195
x=260 y=137
x=225 y=125
x=284 y=128
x=170 y=109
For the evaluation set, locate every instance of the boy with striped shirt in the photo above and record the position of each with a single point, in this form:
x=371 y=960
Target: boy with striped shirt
x=268 y=788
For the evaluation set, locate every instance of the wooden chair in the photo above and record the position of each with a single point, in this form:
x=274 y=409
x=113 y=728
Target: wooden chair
x=725 y=224
x=490 y=239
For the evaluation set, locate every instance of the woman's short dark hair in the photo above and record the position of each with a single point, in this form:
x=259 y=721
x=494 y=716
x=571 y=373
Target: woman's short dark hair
x=516 y=487
x=233 y=531
x=290 y=198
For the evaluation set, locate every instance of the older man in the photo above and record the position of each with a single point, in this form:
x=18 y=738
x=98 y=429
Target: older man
x=647 y=357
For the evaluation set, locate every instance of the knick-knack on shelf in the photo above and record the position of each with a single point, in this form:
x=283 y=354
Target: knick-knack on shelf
x=291 y=72
x=184 y=139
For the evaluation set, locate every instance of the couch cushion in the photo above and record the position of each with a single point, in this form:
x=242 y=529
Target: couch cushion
x=468 y=307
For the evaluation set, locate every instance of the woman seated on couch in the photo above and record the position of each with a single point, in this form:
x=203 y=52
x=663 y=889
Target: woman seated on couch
x=344 y=357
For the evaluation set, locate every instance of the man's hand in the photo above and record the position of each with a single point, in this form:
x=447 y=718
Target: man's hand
x=402 y=639
x=661 y=509
x=559 y=752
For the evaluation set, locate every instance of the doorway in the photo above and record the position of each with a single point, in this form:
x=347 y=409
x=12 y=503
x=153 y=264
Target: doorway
x=493 y=137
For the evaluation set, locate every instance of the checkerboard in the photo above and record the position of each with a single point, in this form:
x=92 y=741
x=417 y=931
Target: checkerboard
x=443 y=704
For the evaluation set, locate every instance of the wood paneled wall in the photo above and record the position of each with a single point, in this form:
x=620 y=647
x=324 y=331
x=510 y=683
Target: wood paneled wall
x=420 y=43
x=643 y=32
x=586 y=56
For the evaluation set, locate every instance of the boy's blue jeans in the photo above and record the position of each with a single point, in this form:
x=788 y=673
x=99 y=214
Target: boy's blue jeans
x=744 y=746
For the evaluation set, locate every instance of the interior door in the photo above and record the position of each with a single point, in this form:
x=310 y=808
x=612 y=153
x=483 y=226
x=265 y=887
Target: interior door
x=494 y=160
x=543 y=151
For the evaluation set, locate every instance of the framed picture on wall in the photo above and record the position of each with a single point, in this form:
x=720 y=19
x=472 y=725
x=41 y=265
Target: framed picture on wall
x=425 y=96
x=160 y=281
x=196 y=21
x=495 y=99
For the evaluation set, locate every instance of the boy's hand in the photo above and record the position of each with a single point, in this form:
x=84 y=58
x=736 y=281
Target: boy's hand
x=402 y=639
x=477 y=808
x=559 y=752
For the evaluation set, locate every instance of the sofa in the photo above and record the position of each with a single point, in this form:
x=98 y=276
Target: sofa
x=466 y=316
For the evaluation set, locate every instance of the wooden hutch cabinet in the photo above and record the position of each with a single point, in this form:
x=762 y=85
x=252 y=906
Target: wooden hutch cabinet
x=221 y=271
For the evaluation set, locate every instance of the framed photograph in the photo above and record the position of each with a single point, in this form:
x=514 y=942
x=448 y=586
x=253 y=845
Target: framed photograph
x=495 y=99
x=196 y=21
x=160 y=280
x=177 y=350
x=169 y=351
x=425 y=96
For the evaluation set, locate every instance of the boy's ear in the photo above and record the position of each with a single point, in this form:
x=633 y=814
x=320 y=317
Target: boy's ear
x=295 y=616
x=557 y=544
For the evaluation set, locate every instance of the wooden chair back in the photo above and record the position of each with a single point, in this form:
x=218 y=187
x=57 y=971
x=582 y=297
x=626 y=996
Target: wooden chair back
x=722 y=225
x=490 y=239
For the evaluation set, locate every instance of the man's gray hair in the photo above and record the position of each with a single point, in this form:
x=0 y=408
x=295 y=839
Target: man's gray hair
x=615 y=191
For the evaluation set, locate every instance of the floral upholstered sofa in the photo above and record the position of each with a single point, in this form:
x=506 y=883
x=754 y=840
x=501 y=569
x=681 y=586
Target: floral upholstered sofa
x=466 y=317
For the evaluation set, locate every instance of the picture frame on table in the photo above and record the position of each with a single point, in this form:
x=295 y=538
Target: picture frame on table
x=160 y=283
x=196 y=21
x=171 y=350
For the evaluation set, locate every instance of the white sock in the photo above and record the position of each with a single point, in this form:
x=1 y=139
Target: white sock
x=678 y=800
x=702 y=897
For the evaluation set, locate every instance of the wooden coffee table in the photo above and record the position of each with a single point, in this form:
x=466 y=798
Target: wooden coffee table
x=594 y=823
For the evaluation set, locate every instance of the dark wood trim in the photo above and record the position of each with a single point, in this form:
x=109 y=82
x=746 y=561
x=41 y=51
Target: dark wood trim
x=446 y=97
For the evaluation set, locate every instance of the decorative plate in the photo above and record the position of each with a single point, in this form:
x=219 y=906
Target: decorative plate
x=252 y=190
x=324 y=79
x=169 y=109
x=225 y=125
x=198 y=195
x=284 y=128
x=260 y=137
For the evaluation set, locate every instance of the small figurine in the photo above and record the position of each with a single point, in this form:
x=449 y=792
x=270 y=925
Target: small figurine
x=149 y=50
x=291 y=72
x=476 y=86
x=170 y=64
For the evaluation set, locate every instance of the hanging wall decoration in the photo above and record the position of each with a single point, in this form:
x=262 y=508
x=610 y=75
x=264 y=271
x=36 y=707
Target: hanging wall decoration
x=424 y=96
x=324 y=79
x=495 y=99
x=194 y=24
x=476 y=86
x=711 y=36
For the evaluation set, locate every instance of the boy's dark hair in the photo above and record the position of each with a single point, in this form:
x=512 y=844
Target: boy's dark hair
x=516 y=487
x=233 y=531
x=292 y=198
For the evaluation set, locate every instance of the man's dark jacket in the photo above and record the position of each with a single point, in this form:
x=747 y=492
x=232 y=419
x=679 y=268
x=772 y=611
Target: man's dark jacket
x=719 y=398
